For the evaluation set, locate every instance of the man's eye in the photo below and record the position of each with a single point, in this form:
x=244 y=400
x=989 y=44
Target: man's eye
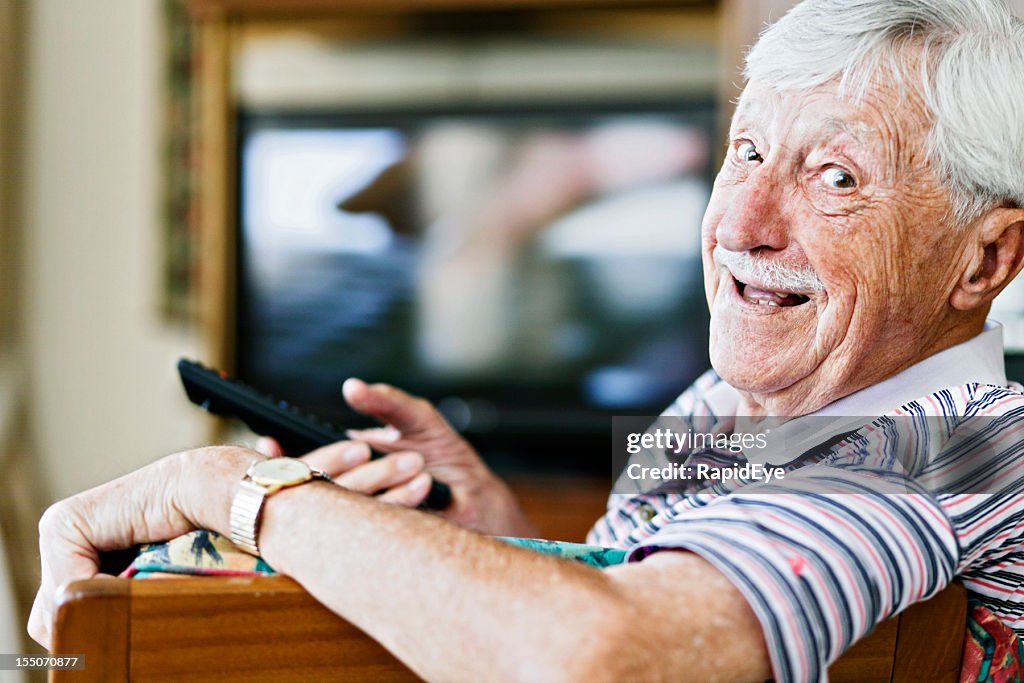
x=747 y=152
x=839 y=179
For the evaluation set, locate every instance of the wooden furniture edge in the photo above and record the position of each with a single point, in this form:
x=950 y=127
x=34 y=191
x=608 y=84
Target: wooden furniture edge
x=918 y=648
x=92 y=619
x=906 y=648
x=169 y=621
x=869 y=659
x=203 y=629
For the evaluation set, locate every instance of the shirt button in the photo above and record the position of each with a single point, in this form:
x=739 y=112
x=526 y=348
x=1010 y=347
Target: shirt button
x=647 y=512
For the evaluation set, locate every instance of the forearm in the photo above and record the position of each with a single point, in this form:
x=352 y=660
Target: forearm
x=452 y=604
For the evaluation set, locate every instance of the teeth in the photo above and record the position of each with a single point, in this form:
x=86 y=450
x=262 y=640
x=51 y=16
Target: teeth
x=769 y=297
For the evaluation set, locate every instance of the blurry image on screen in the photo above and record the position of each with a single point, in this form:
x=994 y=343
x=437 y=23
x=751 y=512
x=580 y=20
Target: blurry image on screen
x=533 y=274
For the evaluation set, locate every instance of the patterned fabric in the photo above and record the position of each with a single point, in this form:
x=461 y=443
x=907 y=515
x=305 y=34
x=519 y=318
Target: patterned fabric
x=595 y=556
x=992 y=650
x=199 y=553
x=827 y=557
x=207 y=553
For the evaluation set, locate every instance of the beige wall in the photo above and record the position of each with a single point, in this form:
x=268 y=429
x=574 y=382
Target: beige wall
x=103 y=396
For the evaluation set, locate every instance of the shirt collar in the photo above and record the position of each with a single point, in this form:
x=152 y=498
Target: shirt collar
x=977 y=360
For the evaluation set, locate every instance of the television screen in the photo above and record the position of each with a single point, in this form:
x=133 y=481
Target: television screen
x=532 y=272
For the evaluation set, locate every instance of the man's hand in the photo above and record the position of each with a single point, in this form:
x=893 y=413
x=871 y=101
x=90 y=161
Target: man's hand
x=176 y=494
x=480 y=500
x=141 y=507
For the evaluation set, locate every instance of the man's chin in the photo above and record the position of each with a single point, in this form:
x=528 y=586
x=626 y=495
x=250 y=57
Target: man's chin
x=755 y=373
x=751 y=385
x=762 y=353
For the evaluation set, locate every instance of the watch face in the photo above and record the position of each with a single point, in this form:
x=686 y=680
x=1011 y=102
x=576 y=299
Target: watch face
x=280 y=472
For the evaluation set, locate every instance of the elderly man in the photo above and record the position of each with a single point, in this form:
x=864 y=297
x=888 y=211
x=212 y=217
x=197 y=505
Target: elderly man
x=867 y=213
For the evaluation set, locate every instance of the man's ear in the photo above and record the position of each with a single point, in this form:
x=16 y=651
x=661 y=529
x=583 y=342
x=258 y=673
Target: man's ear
x=998 y=257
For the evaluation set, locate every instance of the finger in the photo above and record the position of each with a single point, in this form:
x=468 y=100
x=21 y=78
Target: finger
x=406 y=413
x=387 y=472
x=339 y=457
x=64 y=557
x=411 y=493
x=269 y=447
x=379 y=435
x=40 y=618
x=385 y=439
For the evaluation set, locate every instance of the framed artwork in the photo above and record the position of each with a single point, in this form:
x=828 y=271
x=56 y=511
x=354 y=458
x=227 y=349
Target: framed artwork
x=180 y=153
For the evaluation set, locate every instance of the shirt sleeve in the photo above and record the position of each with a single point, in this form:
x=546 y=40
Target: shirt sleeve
x=821 y=559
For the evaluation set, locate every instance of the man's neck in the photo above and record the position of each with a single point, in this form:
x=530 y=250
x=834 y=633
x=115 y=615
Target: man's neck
x=828 y=385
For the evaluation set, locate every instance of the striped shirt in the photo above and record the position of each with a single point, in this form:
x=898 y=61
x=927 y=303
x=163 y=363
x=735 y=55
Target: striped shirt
x=830 y=554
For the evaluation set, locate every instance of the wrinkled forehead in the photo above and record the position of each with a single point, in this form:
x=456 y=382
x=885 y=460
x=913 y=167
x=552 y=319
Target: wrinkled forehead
x=886 y=122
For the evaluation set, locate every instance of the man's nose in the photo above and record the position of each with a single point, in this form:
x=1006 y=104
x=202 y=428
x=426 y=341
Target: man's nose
x=755 y=217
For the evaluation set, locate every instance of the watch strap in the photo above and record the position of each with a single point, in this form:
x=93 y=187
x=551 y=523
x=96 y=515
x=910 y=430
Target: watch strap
x=246 y=512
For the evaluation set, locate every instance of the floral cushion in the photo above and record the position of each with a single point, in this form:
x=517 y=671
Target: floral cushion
x=992 y=650
x=207 y=553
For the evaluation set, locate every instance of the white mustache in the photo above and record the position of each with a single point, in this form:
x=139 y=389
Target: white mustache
x=769 y=274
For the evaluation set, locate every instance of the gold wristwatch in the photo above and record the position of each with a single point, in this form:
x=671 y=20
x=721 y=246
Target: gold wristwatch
x=264 y=478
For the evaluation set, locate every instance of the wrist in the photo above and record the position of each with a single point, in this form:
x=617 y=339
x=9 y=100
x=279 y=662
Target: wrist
x=211 y=478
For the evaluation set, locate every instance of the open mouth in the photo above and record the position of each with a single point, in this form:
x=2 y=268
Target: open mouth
x=765 y=297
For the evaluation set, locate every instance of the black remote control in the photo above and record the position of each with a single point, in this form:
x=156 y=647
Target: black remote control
x=297 y=431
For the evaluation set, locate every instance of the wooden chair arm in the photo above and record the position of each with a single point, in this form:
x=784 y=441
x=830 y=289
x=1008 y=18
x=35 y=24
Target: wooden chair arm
x=212 y=629
x=923 y=643
x=270 y=629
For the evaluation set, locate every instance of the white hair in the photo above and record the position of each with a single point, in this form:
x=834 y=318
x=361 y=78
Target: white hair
x=971 y=78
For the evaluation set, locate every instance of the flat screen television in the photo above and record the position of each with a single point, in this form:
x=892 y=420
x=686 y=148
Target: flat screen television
x=533 y=271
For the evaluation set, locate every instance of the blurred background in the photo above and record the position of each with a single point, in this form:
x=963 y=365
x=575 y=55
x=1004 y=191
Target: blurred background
x=495 y=204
